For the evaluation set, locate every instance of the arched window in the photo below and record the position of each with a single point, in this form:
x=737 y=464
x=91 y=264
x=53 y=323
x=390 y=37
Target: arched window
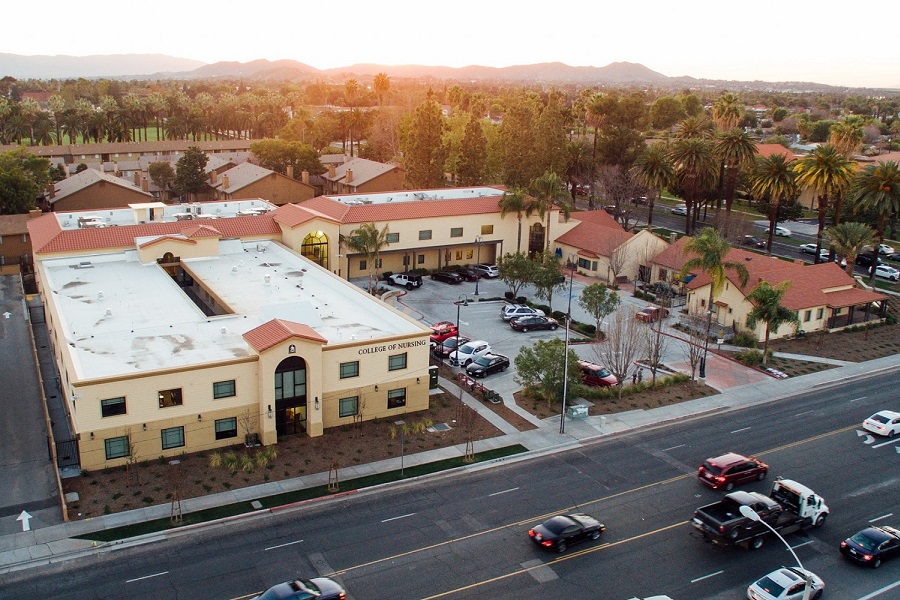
x=315 y=248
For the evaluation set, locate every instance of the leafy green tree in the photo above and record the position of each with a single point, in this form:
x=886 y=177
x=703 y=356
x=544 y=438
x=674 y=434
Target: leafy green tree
x=773 y=181
x=665 y=112
x=162 y=175
x=368 y=241
x=547 y=277
x=23 y=177
x=518 y=140
x=877 y=188
x=827 y=173
x=278 y=155
x=849 y=239
x=516 y=270
x=767 y=308
x=190 y=173
x=424 y=151
x=473 y=154
x=541 y=368
x=599 y=301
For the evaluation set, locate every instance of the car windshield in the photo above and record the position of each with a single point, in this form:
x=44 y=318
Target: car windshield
x=483 y=361
x=864 y=541
x=879 y=418
x=715 y=470
x=451 y=342
x=602 y=373
x=466 y=349
x=557 y=524
x=770 y=586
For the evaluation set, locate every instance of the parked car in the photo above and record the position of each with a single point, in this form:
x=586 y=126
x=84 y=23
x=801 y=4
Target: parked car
x=893 y=256
x=651 y=314
x=407 y=280
x=751 y=240
x=780 y=231
x=596 y=375
x=317 y=588
x=885 y=422
x=787 y=583
x=865 y=259
x=560 y=532
x=468 y=352
x=448 y=346
x=728 y=470
x=487 y=270
x=468 y=273
x=447 y=277
x=487 y=364
x=808 y=248
x=885 y=249
x=442 y=330
x=513 y=311
x=872 y=545
x=532 y=322
x=680 y=209
x=887 y=272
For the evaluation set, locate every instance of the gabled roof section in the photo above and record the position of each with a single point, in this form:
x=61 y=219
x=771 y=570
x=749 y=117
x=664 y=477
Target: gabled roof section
x=363 y=170
x=277 y=331
x=674 y=256
x=201 y=231
x=243 y=175
x=597 y=233
x=88 y=178
x=167 y=238
x=292 y=215
x=322 y=205
x=15 y=224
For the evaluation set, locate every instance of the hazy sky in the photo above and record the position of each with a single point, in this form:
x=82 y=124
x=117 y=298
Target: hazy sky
x=763 y=39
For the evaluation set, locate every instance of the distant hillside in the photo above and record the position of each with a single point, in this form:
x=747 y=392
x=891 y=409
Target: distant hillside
x=113 y=65
x=257 y=69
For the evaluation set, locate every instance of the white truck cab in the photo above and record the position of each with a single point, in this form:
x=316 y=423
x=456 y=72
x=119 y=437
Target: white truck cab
x=800 y=499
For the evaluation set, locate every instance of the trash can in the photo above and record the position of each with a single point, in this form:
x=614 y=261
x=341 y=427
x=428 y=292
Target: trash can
x=432 y=377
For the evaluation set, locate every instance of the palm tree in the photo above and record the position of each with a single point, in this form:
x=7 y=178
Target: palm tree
x=774 y=178
x=710 y=251
x=827 y=172
x=516 y=200
x=695 y=127
x=695 y=169
x=846 y=137
x=735 y=149
x=578 y=164
x=655 y=171
x=767 y=309
x=549 y=189
x=57 y=105
x=368 y=241
x=727 y=111
x=382 y=85
x=849 y=239
x=877 y=188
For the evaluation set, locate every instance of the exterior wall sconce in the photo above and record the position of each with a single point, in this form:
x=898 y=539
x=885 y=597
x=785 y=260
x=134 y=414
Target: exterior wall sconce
x=199 y=417
x=92 y=435
x=145 y=427
x=292 y=349
x=417 y=380
x=317 y=403
x=270 y=411
x=376 y=388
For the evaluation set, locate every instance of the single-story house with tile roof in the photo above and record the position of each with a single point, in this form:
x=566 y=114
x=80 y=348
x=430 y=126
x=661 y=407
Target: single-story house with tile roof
x=822 y=295
x=360 y=176
x=247 y=180
x=93 y=190
x=604 y=250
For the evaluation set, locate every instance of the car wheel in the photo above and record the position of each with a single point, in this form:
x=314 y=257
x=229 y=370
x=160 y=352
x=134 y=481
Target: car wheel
x=561 y=547
x=553 y=328
x=503 y=368
x=409 y=286
x=756 y=543
x=761 y=476
x=729 y=486
x=817 y=595
x=820 y=520
x=891 y=433
x=732 y=534
x=595 y=535
x=524 y=330
x=876 y=563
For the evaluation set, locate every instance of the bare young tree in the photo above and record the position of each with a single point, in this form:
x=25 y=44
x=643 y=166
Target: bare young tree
x=132 y=477
x=693 y=351
x=248 y=422
x=656 y=344
x=619 y=187
x=619 y=258
x=625 y=340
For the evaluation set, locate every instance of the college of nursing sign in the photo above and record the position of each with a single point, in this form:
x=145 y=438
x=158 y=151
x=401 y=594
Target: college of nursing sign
x=392 y=347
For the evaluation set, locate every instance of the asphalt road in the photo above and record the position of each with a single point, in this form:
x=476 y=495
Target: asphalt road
x=464 y=536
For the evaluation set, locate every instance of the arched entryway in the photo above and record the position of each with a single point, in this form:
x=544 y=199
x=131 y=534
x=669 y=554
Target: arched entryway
x=315 y=248
x=535 y=239
x=290 y=396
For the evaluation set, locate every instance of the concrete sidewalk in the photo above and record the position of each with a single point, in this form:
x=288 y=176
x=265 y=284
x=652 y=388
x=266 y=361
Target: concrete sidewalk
x=55 y=543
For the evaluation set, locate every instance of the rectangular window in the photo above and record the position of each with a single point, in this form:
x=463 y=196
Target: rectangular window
x=348 y=407
x=350 y=369
x=807 y=316
x=425 y=234
x=392 y=238
x=116 y=447
x=290 y=384
x=487 y=230
x=420 y=259
x=397 y=362
x=459 y=255
x=173 y=437
x=112 y=407
x=663 y=275
x=584 y=263
x=362 y=265
x=223 y=389
x=456 y=232
x=470 y=254
x=226 y=428
x=170 y=398
x=820 y=313
x=396 y=398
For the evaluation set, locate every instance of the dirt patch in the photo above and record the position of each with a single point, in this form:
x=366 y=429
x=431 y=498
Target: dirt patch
x=855 y=346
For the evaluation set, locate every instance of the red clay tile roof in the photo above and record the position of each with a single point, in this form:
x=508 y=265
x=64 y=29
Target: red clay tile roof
x=48 y=236
x=597 y=233
x=766 y=150
x=852 y=297
x=167 y=238
x=277 y=331
x=674 y=256
x=201 y=231
x=423 y=209
x=292 y=215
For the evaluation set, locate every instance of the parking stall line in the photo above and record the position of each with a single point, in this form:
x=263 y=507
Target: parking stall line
x=740 y=430
x=503 y=492
x=881 y=517
x=707 y=576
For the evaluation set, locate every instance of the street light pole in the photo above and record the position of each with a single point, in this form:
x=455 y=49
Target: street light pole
x=462 y=300
x=709 y=313
x=754 y=516
x=478 y=240
x=562 y=414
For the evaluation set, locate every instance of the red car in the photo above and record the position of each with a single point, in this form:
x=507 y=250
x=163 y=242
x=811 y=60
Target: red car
x=442 y=330
x=724 y=472
x=596 y=375
x=651 y=314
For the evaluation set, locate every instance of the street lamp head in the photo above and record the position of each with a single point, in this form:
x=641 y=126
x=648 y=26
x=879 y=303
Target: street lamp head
x=749 y=513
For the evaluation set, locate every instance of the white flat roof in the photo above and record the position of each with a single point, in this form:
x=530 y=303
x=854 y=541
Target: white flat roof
x=413 y=196
x=121 y=317
x=197 y=210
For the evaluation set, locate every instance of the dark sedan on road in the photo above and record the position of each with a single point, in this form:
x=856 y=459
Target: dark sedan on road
x=447 y=277
x=561 y=531
x=318 y=588
x=533 y=322
x=487 y=364
x=872 y=545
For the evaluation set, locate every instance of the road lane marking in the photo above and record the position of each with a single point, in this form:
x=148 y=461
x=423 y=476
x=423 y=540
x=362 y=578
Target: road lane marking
x=396 y=518
x=886 y=443
x=801 y=545
x=740 y=430
x=886 y=588
x=860 y=398
x=803 y=413
x=283 y=545
x=707 y=576
x=503 y=492
x=145 y=577
x=673 y=447
x=881 y=517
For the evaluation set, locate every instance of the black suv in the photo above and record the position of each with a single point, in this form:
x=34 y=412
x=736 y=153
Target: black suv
x=865 y=260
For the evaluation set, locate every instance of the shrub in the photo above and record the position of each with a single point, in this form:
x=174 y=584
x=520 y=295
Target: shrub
x=638 y=294
x=745 y=339
x=508 y=295
x=750 y=357
x=559 y=315
x=521 y=300
x=544 y=308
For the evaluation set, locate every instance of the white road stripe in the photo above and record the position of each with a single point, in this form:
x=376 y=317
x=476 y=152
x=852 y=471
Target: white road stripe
x=395 y=518
x=860 y=398
x=881 y=591
x=707 y=576
x=803 y=544
x=283 y=545
x=673 y=447
x=145 y=577
x=740 y=430
x=803 y=413
x=503 y=492
x=881 y=517
x=886 y=443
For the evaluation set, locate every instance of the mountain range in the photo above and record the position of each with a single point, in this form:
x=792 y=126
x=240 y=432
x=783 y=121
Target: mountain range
x=159 y=66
